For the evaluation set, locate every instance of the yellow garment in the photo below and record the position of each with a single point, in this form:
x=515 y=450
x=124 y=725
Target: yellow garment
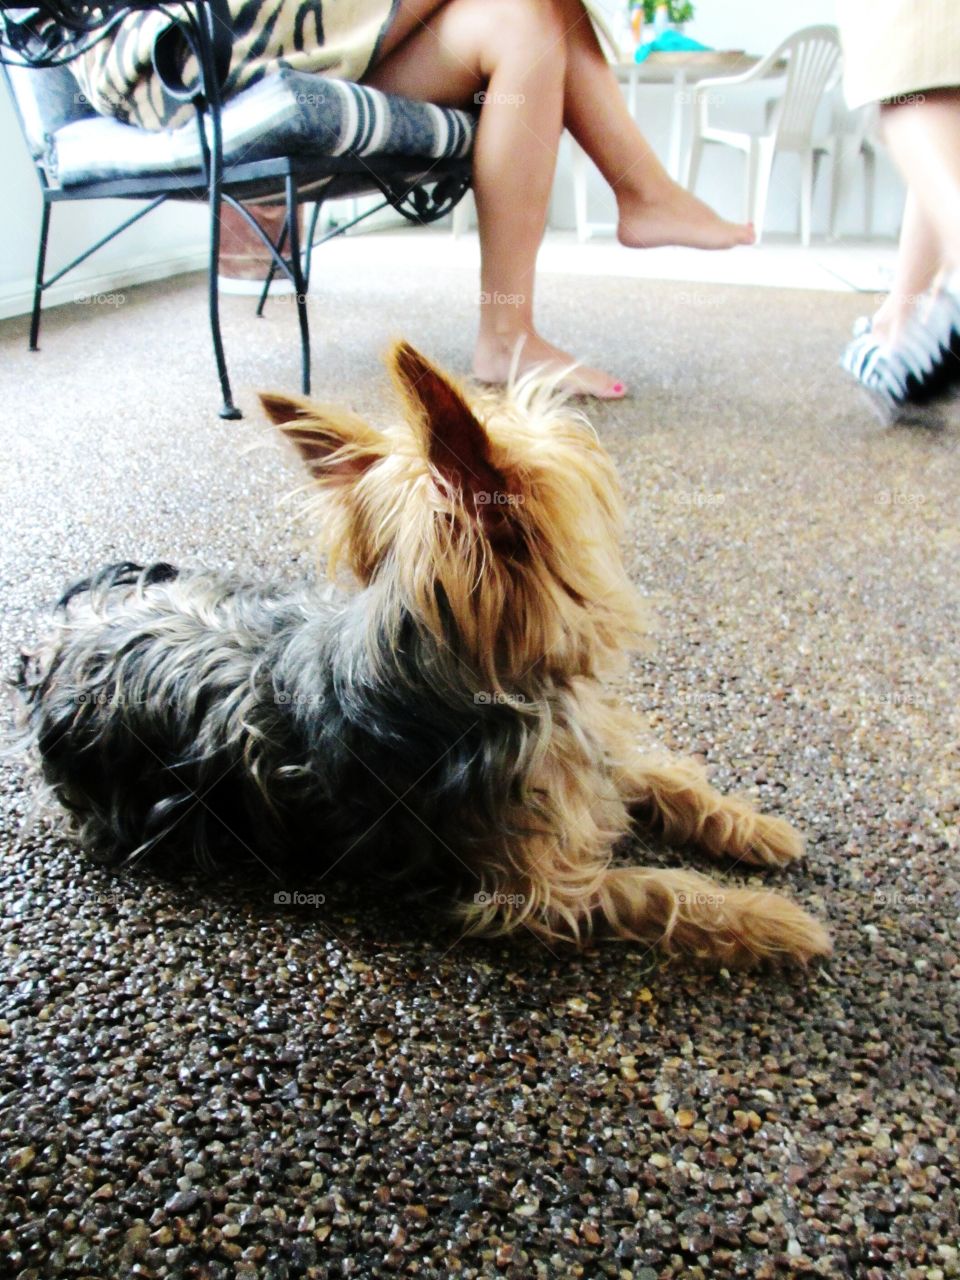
x=895 y=48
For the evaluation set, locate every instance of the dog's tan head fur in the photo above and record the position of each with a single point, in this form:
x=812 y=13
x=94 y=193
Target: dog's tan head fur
x=497 y=519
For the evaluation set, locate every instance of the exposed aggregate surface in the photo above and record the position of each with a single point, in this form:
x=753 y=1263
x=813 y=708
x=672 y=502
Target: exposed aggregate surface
x=198 y=1082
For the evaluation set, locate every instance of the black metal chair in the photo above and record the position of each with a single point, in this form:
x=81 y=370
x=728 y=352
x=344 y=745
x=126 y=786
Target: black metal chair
x=291 y=138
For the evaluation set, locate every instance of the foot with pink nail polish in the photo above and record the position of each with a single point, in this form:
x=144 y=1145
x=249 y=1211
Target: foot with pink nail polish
x=495 y=353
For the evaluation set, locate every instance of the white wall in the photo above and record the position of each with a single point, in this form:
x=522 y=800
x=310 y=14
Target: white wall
x=167 y=241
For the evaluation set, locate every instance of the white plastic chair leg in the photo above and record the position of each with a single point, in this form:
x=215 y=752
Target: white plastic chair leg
x=692 y=166
x=759 y=165
x=869 y=189
x=750 y=191
x=764 y=169
x=838 y=161
x=807 y=168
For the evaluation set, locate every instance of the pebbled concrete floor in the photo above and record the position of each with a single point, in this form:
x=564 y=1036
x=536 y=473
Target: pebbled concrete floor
x=200 y=1083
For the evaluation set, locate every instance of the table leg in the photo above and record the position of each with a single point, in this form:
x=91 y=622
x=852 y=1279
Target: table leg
x=678 y=118
x=632 y=83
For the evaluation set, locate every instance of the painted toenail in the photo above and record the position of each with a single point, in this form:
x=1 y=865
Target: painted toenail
x=618 y=387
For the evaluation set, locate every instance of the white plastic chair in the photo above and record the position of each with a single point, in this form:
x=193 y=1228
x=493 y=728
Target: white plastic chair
x=812 y=57
x=853 y=143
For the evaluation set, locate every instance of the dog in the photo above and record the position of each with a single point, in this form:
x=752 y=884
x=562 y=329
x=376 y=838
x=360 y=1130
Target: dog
x=448 y=723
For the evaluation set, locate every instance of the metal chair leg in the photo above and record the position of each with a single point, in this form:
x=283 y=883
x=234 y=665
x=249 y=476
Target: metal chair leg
x=311 y=232
x=281 y=245
x=38 y=282
x=229 y=409
x=299 y=283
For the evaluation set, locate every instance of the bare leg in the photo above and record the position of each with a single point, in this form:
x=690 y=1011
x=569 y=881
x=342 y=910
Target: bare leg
x=539 y=64
x=918 y=262
x=410 y=16
x=924 y=138
x=654 y=210
x=514 y=52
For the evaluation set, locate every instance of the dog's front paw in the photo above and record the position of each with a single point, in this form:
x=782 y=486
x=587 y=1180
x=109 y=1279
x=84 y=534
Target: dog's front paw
x=772 y=843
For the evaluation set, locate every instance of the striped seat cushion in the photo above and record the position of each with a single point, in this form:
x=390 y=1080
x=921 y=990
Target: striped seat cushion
x=290 y=113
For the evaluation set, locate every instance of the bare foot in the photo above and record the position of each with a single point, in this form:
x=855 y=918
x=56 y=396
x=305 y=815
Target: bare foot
x=493 y=362
x=675 y=216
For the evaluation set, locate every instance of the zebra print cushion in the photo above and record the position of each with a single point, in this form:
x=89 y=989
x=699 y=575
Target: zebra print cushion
x=289 y=113
x=336 y=38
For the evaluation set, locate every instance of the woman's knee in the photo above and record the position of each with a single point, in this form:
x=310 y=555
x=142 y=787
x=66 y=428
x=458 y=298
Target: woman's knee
x=535 y=26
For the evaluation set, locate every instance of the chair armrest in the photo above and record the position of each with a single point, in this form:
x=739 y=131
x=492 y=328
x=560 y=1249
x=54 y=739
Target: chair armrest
x=755 y=72
x=702 y=88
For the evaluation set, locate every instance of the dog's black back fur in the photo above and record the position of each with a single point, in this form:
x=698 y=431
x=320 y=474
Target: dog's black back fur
x=182 y=715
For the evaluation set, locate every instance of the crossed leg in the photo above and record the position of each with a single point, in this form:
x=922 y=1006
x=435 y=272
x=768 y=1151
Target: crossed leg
x=539 y=67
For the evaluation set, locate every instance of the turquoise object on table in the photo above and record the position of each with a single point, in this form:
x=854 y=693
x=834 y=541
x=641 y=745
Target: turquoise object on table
x=669 y=41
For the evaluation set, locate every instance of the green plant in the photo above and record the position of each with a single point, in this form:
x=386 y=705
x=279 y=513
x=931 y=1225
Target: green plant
x=677 y=10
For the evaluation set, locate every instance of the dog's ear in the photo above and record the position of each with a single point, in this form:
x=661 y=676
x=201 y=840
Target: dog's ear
x=335 y=445
x=450 y=434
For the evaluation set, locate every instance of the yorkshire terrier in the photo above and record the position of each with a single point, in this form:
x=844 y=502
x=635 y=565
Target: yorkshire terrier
x=449 y=722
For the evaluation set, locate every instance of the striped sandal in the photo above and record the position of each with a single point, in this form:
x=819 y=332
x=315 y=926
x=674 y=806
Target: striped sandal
x=923 y=366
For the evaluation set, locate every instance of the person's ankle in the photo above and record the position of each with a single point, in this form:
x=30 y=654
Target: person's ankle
x=503 y=337
x=888 y=325
x=655 y=189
